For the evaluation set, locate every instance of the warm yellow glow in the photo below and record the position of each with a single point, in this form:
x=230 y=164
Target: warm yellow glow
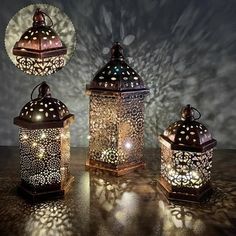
x=128 y=145
x=43 y=136
x=38 y=117
x=24 y=136
x=34 y=144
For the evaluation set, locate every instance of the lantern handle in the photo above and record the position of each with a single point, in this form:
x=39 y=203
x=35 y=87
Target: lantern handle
x=48 y=18
x=31 y=96
x=199 y=114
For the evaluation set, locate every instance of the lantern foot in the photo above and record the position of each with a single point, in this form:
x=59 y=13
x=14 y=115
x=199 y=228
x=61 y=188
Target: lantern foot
x=40 y=196
x=119 y=171
x=199 y=195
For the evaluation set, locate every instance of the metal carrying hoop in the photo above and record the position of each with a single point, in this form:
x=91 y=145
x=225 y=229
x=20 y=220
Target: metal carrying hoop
x=199 y=114
x=31 y=96
x=48 y=17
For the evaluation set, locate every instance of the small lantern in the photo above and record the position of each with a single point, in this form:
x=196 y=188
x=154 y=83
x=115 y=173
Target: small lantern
x=116 y=116
x=40 y=50
x=186 y=158
x=44 y=146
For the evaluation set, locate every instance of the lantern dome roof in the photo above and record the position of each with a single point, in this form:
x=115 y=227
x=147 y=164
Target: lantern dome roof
x=117 y=75
x=188 y=134
x=43 y=111
x=40 y=40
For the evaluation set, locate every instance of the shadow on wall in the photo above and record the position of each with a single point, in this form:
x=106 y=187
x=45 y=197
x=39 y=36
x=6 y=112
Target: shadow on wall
x=184 y=51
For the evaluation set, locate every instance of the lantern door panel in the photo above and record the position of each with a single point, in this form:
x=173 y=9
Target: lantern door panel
x=131 y=119
x=44 y=155
x=183 y=169
x=103 y=143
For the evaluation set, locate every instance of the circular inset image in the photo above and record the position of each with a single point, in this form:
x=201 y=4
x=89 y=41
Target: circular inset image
x=40 y=39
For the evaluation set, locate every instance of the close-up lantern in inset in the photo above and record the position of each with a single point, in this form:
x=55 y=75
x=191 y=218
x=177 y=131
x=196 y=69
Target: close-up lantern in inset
x=186 y=158
x=44 y=139
x=40 y=51
x=116 y=116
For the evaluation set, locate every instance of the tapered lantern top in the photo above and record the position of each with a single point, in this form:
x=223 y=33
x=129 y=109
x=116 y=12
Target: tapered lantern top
x=39 y=41
x=44 y=111
x=188 y=134
x=117 y=75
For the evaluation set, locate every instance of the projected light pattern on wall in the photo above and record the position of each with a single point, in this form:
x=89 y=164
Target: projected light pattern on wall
x=185 y=52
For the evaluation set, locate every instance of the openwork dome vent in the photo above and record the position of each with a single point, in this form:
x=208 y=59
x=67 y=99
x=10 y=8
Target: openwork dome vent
x=43 y=111
x=188 y=134
x=39 y=41
x=117 y=75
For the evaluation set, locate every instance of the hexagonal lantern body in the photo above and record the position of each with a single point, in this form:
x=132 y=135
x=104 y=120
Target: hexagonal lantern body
x=40 y=50
x=44 y=146
x=186 y=158
x=116 y=116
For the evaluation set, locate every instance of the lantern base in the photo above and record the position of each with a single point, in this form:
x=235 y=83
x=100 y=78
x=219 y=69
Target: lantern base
x=119 y=171
x=199 y=195
x=40 y=196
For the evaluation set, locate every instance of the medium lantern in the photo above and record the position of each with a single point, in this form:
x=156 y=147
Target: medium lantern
x=40 y=50
x=116 y=116
x=44 y=146
x=186 y=158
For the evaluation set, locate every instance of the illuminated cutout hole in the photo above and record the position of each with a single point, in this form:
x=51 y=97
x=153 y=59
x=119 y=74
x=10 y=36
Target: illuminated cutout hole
x=53 y=37
x=47 y=33
x=194 y=140
x=36 y=31
x=46 y=105
x=182 y=132
x=125 y=78
x=179 y=139
x=32 y=33
x=45 y=38
x=113 y=78
x=192 y=133
x=46 y=114
x=50 y=42
x=128 y=73
x=26 y=37
x=101 y=77
x=34 y=38
x=40 y=109
x=187 y=137
x=51 y=109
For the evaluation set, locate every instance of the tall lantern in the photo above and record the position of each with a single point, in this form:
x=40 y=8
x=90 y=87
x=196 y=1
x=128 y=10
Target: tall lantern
x=44 y=146
x=40 y=50
x=186 y=158
x=116 y=116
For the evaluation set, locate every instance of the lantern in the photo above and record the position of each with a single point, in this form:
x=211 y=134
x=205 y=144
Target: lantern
x=44 y=146
x=40 y=50
x=116 y=116
x=186 y=158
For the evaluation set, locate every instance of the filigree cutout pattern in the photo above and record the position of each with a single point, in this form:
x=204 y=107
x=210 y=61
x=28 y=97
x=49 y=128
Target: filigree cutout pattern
x=45 y=66
x=186 y=169
x=44 y=156
x=116 y=128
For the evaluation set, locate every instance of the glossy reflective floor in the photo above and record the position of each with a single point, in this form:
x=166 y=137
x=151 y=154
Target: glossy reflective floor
x=128 y=205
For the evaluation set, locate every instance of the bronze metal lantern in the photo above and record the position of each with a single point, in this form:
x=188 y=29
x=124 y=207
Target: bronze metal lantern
x=186 y=158
x=40 y=51
x=44 y=146
x=116 y=116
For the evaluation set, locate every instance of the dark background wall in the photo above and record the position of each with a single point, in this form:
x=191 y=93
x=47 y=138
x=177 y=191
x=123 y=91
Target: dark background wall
x=184 y=49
